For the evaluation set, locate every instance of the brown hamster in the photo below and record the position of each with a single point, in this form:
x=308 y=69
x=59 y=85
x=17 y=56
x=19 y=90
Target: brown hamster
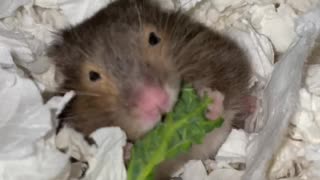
x=127 y=63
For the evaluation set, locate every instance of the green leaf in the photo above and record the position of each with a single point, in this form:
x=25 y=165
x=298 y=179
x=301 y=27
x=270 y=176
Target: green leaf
x=184 y=126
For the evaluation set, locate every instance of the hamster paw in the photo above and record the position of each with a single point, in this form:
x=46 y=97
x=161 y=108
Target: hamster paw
x=78 y=168
x=127 y=152
x=75 y=144
x=215 y=110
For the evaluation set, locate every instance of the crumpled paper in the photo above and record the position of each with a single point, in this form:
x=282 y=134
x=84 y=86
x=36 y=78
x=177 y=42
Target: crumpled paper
x=8 y=7
x=105 y=159
x=25 y=122
x=108 y=163
x=280 y=100
x=46 y=163
x=239 y=139
x=19 y=94
x=26 y=33
x=74 y=11
x=266 y=17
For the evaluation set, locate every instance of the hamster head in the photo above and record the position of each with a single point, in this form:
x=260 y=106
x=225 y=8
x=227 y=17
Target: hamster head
x=120 y=69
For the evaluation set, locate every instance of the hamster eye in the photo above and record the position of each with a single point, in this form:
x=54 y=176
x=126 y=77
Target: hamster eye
x=153 y=39
x=94 y=76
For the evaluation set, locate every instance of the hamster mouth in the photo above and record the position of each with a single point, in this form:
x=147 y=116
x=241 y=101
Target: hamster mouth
x=152 y=116
x=152 y=102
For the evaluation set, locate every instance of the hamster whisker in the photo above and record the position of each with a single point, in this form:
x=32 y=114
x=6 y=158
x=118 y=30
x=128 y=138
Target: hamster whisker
x=139 y=16
x=87 y=94
x=74 y=116
x=80 y=93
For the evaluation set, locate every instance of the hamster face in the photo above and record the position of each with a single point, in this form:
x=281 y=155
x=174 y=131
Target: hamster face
x=120 y=70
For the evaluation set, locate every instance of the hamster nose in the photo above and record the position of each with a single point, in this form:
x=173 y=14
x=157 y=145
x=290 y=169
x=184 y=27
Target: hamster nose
x=151 y=102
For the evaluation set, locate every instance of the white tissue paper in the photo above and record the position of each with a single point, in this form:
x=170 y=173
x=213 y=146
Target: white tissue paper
x=77 y=11
x=8 y=7
x=194 y=170
x=25 y=120
x=262 y=29
x=280 y=101
x=108 y=162
x=46 y=163
x=239 y=139
x=266 y=17
x=20 y=95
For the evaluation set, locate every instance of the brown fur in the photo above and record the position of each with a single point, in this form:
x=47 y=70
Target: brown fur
x=114 y=42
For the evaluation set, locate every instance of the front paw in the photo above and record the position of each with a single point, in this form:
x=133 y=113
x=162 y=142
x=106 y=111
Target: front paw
x=215 y=109
x=78 y=168
x=127 y=152
x=75 y=144
x=80 y=149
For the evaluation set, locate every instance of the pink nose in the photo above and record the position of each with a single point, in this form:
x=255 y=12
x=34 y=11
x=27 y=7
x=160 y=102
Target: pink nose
x=152 y=101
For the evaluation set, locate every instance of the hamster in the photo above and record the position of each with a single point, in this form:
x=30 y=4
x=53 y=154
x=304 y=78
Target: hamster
x=127 y=62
